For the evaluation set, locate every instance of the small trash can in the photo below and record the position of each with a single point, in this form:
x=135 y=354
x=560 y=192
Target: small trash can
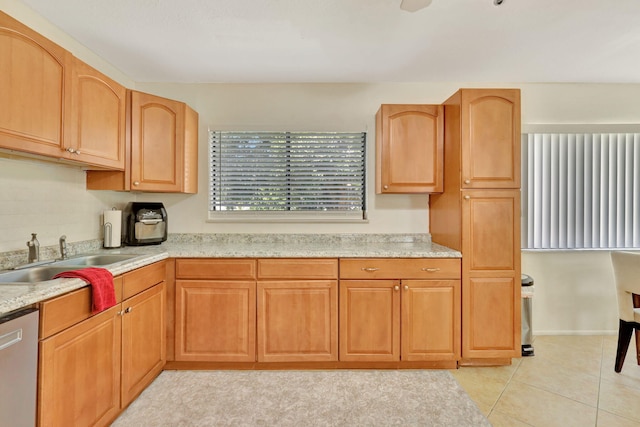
x=527 y=305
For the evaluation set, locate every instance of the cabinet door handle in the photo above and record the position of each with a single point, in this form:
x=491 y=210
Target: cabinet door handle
x=467 y=181
x=128 y=310
x=71 y=150
x=386 y=187
x=136 y=182
x=406 y=287
x=396 y=288
x=370 y=269
x=430 y=269
x=467 y=197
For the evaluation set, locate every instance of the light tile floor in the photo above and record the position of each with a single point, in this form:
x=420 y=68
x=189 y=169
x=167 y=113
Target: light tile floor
x=569 y=382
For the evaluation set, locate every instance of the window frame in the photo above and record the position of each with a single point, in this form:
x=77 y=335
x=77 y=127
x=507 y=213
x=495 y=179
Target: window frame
x=286 y=215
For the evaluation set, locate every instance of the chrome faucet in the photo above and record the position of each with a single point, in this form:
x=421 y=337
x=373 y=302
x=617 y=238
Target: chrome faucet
x=34 y=249
x=63 y=247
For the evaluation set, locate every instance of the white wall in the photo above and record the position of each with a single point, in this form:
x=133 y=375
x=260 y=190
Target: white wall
x=574 y=291
x=50 y=200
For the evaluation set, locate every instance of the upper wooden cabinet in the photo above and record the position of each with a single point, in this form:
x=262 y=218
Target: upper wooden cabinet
x=163 y=136
x=55 y=105
x=164 y=145
x=486 y=125
x=409 y=144
x=98 y=108
x=35 y=81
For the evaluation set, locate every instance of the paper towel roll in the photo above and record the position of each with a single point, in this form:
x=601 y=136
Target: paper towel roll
x=112 y=228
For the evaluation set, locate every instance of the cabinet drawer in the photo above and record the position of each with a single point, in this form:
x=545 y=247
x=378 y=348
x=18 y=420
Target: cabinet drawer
x=400 y=268
x=299 y=268
x=66 y=310
x=203 y=268
x=143 y=278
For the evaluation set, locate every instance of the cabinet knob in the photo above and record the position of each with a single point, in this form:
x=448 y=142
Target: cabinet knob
x=430 y=269
x=128 y=310
x=406 y=287
x=467 y=181
x=71 y=150
x=386 y=187
x=467 y=197
x=77 y=152
x=136 y=182
x=370 y=269
x=396 y=288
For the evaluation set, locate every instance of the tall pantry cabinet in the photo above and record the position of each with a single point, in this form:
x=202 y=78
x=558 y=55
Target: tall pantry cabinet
x=478 y=213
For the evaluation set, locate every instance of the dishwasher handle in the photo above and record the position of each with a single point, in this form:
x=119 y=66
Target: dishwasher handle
x=12 y=338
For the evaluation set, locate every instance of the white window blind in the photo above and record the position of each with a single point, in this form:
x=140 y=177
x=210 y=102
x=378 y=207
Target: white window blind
x=581 y=191
x=287 y=176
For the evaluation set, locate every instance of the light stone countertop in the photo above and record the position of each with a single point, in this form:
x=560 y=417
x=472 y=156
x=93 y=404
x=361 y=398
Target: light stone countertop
x=16 y=296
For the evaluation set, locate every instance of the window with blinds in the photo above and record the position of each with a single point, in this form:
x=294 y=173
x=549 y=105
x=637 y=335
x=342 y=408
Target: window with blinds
x=287 y=176
x=581 y=191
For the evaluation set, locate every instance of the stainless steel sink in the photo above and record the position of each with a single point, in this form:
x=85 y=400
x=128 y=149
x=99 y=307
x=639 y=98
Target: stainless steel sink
x=99 y=260
x=46 y=272
x=32 y=275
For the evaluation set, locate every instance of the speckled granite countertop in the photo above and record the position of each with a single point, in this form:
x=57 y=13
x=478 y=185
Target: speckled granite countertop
x=15 y=296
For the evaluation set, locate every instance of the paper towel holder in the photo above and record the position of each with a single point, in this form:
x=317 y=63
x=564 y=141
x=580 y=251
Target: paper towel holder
x=111 y=231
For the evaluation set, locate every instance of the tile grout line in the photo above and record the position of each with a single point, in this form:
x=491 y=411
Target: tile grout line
x=599 y=381
x=506 y=384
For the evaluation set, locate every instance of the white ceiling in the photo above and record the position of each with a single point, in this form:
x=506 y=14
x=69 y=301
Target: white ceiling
x=357 y=40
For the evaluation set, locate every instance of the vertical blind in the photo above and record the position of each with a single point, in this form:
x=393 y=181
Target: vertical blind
x=297 y=172
x=581 y=191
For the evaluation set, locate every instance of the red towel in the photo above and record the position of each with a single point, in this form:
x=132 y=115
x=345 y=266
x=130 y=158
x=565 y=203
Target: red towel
x=101 y=281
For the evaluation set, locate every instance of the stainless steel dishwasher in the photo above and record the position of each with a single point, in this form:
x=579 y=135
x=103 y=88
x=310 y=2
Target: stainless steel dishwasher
x=18 y=368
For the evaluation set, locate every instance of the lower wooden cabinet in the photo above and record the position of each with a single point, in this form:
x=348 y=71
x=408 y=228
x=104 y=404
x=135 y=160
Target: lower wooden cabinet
x=215 y=318
x=430 y=320
x=215 y=321
x=143 y=341
x=79 y=373
x=393 y=320
x=386 y=319
x=369 y=320
x=297 y=310
x=92 y=369
x=305 y=310
x=298 y=321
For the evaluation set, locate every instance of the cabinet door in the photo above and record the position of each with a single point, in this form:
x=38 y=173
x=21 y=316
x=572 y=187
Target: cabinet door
x=491 y=271
x=491 y=316
x=490 y=122
x=430 y=320
x=215 y=321
x=143 y=341
x=98 y=124
x=409 y=148
x=79 y=373
x=298 y=321
x=491 y=230
x=157 y=140
x=35 y=77
x=369 y=320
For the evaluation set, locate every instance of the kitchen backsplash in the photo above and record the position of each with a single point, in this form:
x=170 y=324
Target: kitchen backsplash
x=50 y=200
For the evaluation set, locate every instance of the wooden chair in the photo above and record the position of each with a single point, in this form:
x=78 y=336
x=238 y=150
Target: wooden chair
x=626 y=270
